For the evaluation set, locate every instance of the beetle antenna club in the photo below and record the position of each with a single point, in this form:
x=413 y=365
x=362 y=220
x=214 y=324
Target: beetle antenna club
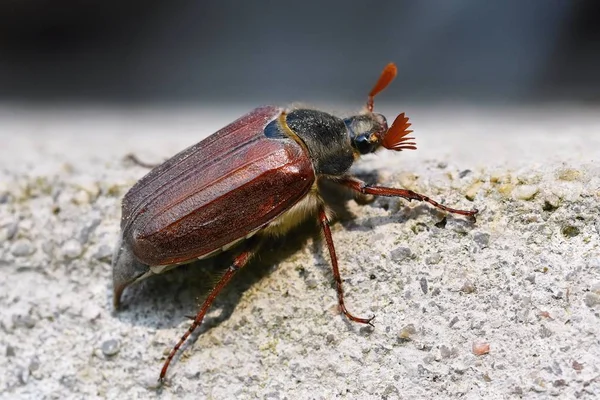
x=395 y=138
x=387 y=76
x=270 y=161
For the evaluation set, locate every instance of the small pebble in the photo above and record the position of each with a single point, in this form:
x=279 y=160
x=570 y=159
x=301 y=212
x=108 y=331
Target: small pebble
x=525 y=192
x=445 y=351
x=10 y=351
x=25 y=321
x=192 y=374
x=421 y=370
x=505 y=189
x=407 y=180
x=104 y=252
x=458 y=225
x=406 y=332
x=545 y=332
x=481 y=238
x=539 y=385
x=72 y=249
x=577 y=366
x=453 y=322
x=591 y=299
x=88 y=229
x=435 y=258
x=464 y=173
x=423 y=283
x=92 y=188
x=111 y=347
x=498 y=176
x=150 y=382
x=472 y=191
x=23 y=375
x=468 y=287
x=68 y=381
x=568 y=174
x=22 y=248
x=551 y=202
x=91 y=312
x=29 y=321
x=390 y=392
x=518 y=391
x=400 y=253
x=365 y=330
x=48 y=247
x=82 y=198
x=545 y=314
x=34 y=365
x=312 y=283
x=11 y=230
x=481 y=348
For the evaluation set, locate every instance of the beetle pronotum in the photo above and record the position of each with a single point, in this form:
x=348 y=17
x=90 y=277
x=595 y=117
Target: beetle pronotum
x=270 y=160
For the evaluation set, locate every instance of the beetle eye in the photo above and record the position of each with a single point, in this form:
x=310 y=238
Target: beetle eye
x=363 y=144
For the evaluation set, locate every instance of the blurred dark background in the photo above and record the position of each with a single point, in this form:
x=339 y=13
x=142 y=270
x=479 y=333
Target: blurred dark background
x=108 y=52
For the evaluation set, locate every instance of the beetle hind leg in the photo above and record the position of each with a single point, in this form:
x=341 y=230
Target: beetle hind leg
x=132 y=158
x=238 y=263
x=324 y=220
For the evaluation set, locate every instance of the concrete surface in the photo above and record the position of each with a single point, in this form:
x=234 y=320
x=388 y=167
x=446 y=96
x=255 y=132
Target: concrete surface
x=524 y=279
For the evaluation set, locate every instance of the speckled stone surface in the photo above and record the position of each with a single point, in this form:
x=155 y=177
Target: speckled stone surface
x=504 y=307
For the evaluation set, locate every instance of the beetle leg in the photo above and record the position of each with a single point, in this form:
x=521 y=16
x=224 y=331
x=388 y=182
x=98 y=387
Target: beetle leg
x=336 y=271
x=361 y=187
x=239 y=262
x=130 y=157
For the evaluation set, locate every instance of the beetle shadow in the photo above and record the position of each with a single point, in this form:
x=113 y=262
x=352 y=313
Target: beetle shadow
x=168 y=299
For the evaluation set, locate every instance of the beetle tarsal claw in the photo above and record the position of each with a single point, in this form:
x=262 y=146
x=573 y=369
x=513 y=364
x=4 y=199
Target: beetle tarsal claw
x=371 y=322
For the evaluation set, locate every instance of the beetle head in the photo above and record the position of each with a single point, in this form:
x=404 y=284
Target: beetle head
x=369 y=131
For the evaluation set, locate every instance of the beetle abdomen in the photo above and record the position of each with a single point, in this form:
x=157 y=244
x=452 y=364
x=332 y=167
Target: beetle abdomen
x=215 y=192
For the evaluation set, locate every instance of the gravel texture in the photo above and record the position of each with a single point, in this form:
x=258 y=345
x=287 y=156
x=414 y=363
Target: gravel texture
x=505 y=307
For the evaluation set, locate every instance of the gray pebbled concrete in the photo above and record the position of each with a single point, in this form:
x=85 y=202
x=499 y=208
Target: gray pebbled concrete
x=506 y=307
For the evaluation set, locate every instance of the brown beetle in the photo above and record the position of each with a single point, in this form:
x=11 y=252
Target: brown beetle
x=254 y=178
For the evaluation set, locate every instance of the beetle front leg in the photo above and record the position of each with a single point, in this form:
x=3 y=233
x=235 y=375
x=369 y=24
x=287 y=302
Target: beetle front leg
x=239 y=262
x=361 y=187
x=336 y=271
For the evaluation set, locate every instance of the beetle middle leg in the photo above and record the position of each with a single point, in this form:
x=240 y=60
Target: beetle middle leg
x=238 y=263
x=361 y=187
x=336 y=271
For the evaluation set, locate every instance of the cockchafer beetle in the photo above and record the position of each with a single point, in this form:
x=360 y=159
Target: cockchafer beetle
x=269 y=161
